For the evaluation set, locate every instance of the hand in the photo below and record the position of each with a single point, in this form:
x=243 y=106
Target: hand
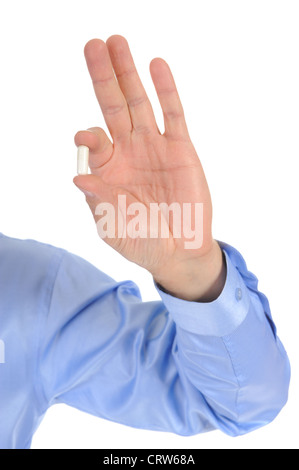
x=148 y=167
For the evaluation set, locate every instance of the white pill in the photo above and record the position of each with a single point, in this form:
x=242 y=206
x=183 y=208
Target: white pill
x=82 y=160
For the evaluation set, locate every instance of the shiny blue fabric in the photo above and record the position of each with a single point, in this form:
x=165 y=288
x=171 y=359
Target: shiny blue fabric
x=71 y=334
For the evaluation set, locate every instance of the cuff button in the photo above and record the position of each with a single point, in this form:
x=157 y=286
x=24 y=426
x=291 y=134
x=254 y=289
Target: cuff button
x=238 y=294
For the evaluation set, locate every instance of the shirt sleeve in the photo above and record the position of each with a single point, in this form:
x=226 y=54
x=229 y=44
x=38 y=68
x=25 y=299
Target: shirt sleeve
x=169 y=365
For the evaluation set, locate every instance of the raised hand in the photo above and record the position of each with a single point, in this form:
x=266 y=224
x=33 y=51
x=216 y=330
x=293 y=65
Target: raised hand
x=148 y=168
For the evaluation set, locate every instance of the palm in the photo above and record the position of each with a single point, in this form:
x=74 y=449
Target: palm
x=155 y=172
x=141 y=164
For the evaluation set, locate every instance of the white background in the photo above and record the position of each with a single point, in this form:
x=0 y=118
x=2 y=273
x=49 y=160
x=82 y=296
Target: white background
x=236 y=67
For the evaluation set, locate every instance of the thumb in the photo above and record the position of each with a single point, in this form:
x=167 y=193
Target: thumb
x=88 y=184
x=94 y=188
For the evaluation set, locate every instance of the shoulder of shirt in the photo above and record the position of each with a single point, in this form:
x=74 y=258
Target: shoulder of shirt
x=46 y=258
x=28 y=252
x=28 y=243
x=20 y=252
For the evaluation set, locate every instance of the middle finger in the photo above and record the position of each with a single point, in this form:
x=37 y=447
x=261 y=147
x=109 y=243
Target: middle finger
x=111 y=100
x=140 y=108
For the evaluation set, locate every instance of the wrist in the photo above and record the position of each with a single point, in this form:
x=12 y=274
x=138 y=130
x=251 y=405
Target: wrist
x=198 y=279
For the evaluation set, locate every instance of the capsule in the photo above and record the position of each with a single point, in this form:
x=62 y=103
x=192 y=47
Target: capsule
x=82 y=160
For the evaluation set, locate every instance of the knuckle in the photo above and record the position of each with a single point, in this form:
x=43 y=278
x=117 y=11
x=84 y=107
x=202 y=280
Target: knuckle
x=111 y=110
x=126 y=73
x=173 y=115
x=167 y=91
x=141 y=129
x=102 y=81
x=132 y=103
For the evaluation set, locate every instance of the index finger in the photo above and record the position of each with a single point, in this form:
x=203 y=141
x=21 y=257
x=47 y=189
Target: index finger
x=109 y=95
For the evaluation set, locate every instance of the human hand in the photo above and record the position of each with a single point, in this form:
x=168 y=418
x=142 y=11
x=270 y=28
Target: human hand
x=148 y=168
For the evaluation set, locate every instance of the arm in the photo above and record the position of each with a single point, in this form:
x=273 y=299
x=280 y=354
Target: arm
x=205 y=369
x=176 y=366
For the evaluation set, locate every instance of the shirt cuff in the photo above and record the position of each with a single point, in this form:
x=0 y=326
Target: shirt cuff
x=220 y=317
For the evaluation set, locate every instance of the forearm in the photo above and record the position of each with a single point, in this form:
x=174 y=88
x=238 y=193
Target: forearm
x=229 y=351
x=213 y=365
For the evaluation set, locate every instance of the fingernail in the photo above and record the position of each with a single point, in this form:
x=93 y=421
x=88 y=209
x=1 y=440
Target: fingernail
x=87 y=193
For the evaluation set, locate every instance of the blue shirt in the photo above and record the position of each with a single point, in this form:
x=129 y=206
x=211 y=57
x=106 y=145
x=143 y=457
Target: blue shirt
x=71 y=334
